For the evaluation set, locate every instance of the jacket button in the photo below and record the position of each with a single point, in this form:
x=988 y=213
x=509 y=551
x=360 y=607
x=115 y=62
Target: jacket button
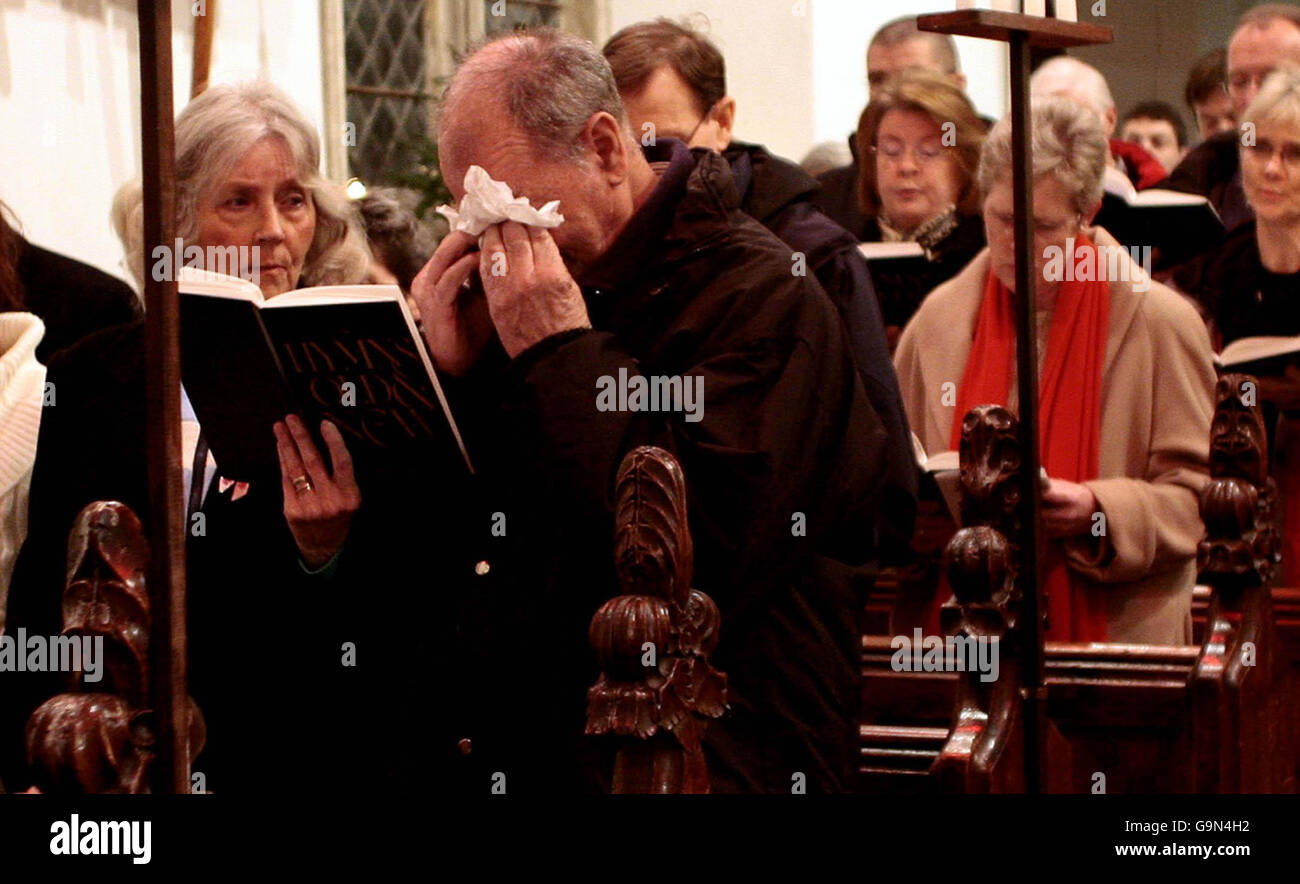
x=465 y=746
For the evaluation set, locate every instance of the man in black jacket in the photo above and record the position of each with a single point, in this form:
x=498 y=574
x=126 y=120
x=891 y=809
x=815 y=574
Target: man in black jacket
x=655 y=272
x=1266 y=36
x=673 y=80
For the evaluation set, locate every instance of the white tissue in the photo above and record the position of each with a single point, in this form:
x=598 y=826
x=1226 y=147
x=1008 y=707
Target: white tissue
x=487 y=202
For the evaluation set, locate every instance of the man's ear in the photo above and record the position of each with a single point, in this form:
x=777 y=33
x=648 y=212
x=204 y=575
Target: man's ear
x=724 y=120
x=604 y=136
x=1091 y=214
x=1110 y=120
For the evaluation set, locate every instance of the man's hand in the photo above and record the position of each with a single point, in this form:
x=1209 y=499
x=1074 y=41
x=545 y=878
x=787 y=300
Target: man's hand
x=455 y=319
x=530 y=293
x=1068 y=508
x=318 y=507
x=1282 y=390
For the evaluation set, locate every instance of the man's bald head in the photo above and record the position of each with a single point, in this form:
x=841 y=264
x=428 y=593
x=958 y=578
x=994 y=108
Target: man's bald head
x=1066 y=77
x=547 y=83
x=1266 y=36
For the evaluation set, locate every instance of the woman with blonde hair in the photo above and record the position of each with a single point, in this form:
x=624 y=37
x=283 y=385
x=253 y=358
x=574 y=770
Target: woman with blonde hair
x=921 y=140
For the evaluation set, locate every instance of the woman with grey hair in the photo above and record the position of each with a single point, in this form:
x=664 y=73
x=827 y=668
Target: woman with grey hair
x=1126 y=379
x=1249 y=285
x=266 y=560
x=247 y=174
x=247 y=177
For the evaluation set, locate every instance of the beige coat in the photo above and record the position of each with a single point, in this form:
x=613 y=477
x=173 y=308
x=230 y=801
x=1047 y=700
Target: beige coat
x=1157 y=390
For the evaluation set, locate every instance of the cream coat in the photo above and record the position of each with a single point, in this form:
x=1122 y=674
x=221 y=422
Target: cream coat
x=1157 y=390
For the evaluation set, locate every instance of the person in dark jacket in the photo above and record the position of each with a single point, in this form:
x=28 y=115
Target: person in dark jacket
x=1266 y=36
x=655 y=272
x=72 y=299
x=674 y=79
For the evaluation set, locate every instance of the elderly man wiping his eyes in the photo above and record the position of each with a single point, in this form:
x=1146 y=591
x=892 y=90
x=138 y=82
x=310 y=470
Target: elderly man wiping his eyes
x=654 y=273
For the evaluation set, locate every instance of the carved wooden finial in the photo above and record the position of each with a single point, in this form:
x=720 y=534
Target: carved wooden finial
x=652 y=642
x=103 y=741
x=1239 y=504
x=980 y=565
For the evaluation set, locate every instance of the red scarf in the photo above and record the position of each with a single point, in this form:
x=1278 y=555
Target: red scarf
x=1069 y=402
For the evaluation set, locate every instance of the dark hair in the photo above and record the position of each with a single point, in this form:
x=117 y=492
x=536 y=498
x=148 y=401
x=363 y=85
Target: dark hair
x=1206 y=77
x=637 y=51
x=11 y=247
x=900 y=30
x=1159 y=110
x=396 y=236
x=1261 y=15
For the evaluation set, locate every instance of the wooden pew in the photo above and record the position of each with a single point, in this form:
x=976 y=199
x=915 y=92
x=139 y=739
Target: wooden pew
x=1218 y=716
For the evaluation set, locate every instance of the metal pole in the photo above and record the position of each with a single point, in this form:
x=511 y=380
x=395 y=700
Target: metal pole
x=162 y=327
x=1031 y=631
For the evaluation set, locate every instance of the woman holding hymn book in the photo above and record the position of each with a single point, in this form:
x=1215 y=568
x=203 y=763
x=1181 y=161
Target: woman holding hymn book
x=278 y=563
x=1250 y=285
x=1126 y=378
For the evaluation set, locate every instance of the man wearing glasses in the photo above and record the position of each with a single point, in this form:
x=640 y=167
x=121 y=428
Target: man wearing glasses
x=673 y=84
x=1266 y=36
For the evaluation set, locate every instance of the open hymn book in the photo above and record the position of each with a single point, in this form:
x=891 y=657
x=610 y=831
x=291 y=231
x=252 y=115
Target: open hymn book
x=1260 y=356
x=348 y=354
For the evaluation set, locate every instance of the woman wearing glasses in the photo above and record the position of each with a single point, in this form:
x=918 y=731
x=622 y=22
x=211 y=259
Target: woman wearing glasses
x=1125 y=384
x=1249 y=285
x=917 y=185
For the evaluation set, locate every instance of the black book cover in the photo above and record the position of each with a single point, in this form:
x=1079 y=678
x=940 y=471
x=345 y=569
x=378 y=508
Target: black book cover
x=352 y=361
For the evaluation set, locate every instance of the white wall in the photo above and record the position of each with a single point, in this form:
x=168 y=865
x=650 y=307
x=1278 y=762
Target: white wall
x=798 y=69
x=841 y=31
x=70 y=99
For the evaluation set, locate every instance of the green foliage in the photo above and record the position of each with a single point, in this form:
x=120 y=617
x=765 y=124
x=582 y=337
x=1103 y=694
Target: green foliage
x=424 y=176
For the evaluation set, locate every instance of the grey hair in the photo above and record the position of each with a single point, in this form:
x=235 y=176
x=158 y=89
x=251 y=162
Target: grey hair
x=213 y=133
x=1066 y=140
x=1278 y=99
x=549 y=82
x=1084 y=79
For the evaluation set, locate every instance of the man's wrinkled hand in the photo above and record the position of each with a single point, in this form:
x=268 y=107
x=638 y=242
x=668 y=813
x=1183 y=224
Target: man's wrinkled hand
x=530 y=293
x=454 y=317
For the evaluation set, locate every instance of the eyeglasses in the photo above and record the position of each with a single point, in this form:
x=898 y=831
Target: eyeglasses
x=1044 y=230
x=894 y=151
x=688 y=138
x=1263 y=151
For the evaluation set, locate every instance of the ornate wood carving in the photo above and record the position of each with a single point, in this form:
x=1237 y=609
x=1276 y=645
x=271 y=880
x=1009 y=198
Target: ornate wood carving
x=657 y=688
x=85 y=741
x=1238 y=558
x=980 y=563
